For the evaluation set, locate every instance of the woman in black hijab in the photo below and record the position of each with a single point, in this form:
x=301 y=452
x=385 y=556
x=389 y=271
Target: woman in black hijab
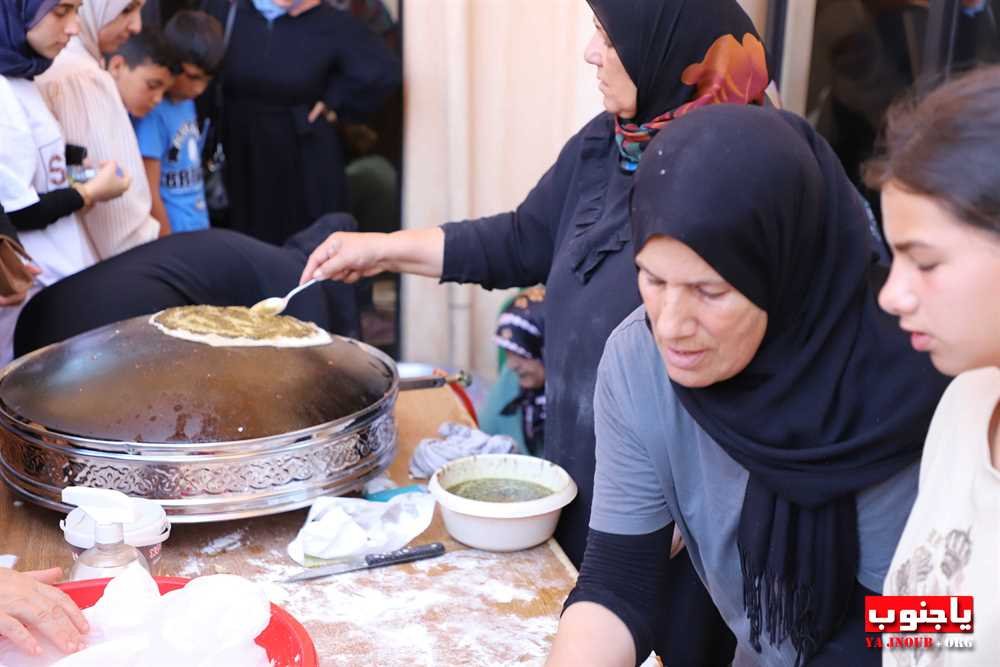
x=776 y=396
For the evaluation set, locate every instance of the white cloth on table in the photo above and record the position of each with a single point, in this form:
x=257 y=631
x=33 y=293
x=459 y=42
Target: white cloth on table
x=457 y=441
x=343 y=527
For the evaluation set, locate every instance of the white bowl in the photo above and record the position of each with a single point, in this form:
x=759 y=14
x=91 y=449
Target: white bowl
x=502 y=526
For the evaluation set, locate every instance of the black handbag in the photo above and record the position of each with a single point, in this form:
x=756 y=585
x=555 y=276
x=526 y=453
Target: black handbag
x=213 y=152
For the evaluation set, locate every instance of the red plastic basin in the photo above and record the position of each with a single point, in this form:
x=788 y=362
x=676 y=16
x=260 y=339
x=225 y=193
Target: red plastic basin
x=287 y=643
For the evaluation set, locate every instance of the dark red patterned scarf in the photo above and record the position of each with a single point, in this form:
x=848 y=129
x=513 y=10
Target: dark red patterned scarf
x=731 y=73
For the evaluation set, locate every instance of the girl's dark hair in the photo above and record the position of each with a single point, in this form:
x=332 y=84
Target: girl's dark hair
x=947 y=146
x=148 y=47
x=196 y=37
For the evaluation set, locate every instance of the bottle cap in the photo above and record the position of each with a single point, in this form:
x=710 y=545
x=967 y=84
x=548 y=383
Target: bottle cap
x=150 y=527
x=109 y=509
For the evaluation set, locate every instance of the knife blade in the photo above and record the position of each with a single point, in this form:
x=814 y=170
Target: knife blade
x=371 y=561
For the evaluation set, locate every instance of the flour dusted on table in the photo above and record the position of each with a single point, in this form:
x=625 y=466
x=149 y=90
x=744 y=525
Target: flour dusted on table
x=467 y=607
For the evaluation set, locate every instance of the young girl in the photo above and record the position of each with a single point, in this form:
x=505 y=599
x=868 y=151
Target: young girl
x=34 y=188
x=941 y=199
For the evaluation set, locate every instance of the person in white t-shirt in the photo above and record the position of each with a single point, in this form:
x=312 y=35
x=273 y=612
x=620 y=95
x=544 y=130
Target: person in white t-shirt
x=35 y=189
x=940 y=188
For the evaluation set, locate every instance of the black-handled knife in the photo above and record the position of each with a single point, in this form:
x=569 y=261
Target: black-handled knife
x=371 y=561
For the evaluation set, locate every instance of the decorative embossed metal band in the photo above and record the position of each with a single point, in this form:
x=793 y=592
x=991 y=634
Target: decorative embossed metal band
x=198 y=487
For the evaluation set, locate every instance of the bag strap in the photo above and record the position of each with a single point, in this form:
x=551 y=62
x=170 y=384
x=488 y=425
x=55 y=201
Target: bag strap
x=214 y=122
x=230 y=22
x=227 y=35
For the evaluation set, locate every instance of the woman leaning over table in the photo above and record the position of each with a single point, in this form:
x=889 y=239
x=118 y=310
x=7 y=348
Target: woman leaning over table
x=656 y=60
x=941 y=200
x=759 y=401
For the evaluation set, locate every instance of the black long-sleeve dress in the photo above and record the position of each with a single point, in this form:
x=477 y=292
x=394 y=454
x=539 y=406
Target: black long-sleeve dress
x=572 y=233
x=578 y=210
x=283 y=172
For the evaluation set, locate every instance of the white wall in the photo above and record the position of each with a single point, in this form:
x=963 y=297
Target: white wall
x=757 y=9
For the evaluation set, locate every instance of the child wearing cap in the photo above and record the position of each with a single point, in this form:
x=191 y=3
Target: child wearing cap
x=521 y=334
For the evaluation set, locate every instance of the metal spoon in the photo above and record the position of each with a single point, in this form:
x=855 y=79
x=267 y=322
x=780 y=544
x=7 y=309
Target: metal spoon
x=275 y=305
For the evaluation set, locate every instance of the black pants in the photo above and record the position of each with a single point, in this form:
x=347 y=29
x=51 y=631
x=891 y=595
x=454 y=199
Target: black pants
x=848 y=647
x=214 y=267
x=691 y=630
x=702 y=639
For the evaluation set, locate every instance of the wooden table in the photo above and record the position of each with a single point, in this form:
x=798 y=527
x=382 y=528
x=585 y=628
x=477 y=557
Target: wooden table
x=468 y=607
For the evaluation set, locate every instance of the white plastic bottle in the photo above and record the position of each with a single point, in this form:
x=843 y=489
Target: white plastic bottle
x=110 y=510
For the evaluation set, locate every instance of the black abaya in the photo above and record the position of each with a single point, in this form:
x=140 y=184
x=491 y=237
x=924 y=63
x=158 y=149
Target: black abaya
x=283 y=172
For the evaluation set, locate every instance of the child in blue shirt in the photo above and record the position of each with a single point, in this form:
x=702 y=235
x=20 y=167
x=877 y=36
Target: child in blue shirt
x=169 y=137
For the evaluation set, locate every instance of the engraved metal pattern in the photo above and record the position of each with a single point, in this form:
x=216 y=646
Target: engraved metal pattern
x=205 y=485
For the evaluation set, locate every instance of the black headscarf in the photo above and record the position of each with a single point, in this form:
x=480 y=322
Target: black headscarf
x=834 y=401
x=521 y=330
x=661 y=43
x=521 y=326
x=17 y=59
x=657 y=40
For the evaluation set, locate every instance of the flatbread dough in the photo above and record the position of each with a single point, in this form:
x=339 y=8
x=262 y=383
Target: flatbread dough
x=236 y=326
x=211 y=622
